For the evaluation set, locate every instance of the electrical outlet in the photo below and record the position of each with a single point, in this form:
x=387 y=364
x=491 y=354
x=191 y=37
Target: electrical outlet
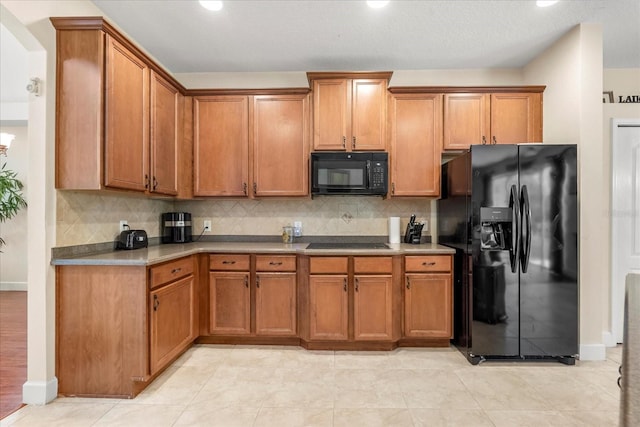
x=297 y=228
x=207 y=225
x=426 y=226
x=124 y=225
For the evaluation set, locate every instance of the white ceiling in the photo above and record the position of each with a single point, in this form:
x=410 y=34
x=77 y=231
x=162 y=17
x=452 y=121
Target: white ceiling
x=301 y=35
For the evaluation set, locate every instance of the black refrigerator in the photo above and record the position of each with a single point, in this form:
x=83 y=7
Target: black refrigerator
x=511 y=213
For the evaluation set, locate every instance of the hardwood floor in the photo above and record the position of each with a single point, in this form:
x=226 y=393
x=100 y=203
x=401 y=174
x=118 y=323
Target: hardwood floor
x=13 y=350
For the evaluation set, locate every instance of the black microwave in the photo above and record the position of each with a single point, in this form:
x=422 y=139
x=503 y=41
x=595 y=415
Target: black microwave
x=340 y=173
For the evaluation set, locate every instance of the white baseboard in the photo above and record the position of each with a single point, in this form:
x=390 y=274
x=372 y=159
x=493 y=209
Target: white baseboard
x=608 y=339
x=593 y=352
x=39 y=392
x=13 y=286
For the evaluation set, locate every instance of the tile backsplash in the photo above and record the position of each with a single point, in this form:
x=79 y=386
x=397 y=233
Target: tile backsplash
x=85 y=218
x=322 y=216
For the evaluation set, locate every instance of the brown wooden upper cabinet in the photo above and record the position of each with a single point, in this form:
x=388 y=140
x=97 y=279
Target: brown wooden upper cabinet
x=221 y=146
x=280 y=145
x=349 y=111
x=507 y=117
x=251 y=145
x=118 y=121
x=416 y=141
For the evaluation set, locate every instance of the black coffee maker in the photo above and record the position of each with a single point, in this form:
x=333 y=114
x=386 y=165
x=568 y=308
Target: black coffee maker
x=176 y=227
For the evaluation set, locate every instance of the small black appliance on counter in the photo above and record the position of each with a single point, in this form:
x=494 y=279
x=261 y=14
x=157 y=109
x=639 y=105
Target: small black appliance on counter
x=176 y=227
x=132 y=239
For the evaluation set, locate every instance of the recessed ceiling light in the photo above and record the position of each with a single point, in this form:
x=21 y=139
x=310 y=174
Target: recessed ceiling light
x=545 y=3
x=214 y=5
x=377 y=4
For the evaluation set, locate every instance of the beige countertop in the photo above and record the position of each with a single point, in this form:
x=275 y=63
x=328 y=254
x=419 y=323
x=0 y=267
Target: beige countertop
x=162 y=253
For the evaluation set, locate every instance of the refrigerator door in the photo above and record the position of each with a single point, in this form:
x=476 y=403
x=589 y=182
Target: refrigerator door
x=549 y=256
x=495 y=297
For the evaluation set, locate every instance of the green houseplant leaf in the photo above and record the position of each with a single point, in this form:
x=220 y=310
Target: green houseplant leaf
x=11 y=199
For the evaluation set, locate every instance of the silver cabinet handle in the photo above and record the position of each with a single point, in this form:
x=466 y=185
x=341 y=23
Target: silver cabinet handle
x=176 y=270
x=228 y=262
x=257 y=281
x=344 y=281
x=246 y=282
x=357 y=284
x=275 y=263
x=430 y=263
x=156 y=303
x=408 y=283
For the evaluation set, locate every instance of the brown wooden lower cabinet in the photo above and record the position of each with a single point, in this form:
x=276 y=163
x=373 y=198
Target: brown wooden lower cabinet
x=118 y=327
x=172 y=326
x=427 y=308
x=276 y=295
x=229 y=303
x=252 y=295
x=328 y=306
x=373 y=308
x=352 y=300
x=428 y=297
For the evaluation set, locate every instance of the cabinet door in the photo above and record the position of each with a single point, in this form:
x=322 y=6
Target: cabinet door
x=280 y=145
x=221 y=146
x=164 y=136
x=172 y=325
x=276 y=304
x=229 y=303
x=516 y=118
x=331 y=126
x=126 y=119
x=372 y=307
x=428 y=305
x=368 y=114
x=329 y=308
x=416 y=138
x=466 y=120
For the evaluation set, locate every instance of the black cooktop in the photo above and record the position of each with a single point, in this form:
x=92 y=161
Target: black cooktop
x=347 y=245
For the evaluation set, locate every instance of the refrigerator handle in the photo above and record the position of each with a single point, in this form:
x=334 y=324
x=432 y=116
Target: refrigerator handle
x=514 y=249
x=525 y=211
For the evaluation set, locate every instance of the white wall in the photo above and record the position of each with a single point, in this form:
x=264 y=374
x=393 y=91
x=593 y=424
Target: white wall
x=479 y=77
x=572 y=71
x=13 y=259
x=29 y=22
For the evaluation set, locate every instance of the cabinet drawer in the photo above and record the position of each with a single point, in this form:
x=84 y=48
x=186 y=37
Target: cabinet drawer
x=378 y=264
x=428 y=263
x=275 y=263
x=229 y=262
x=171 y=271
x=320 y=265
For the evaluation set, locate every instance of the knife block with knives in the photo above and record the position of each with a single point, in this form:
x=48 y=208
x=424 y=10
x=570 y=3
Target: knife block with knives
x=413 y=234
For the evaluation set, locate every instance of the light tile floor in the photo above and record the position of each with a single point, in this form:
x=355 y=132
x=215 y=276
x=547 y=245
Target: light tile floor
x=289 y=386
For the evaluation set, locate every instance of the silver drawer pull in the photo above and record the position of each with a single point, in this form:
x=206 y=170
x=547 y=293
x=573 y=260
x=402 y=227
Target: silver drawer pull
x=228 y=262
x=429 y=263
x=176 y=270
x=275 y=263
